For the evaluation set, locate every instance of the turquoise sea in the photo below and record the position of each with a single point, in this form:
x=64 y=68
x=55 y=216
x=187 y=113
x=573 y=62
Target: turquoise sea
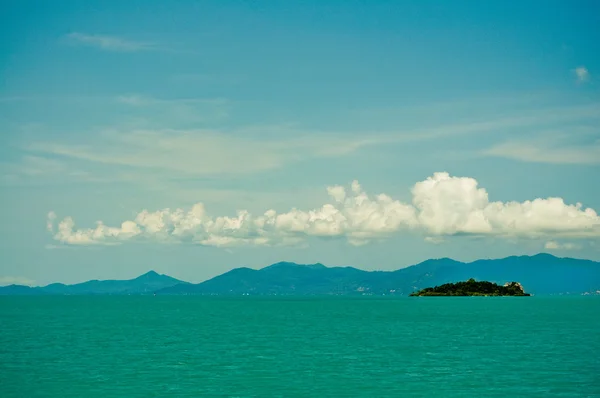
x=309 y=347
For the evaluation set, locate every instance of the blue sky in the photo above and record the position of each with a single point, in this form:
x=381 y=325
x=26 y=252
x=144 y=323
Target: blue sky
x=468 y=116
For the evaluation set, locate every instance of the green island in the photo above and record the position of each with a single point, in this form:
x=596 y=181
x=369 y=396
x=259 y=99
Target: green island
x=473 y=288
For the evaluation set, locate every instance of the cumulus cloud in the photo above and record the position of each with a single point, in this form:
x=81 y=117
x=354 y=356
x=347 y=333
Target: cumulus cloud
x=582 y=74
x=554 y=245
x=442 y=205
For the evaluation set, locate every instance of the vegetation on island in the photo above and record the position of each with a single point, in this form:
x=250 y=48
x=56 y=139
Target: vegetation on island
x=473 y=288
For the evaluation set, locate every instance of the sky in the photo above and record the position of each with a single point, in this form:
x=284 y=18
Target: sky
x=193 y=137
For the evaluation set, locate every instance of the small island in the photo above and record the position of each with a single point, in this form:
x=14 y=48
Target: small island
x=473 y=288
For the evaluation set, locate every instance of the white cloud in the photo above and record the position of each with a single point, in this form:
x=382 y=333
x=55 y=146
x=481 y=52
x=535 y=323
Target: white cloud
x=554 y=245
x=38 y=166
x=15 y=280
x=533 y=118
x=109 y=43
x=143 y=100
x=548 y=150
x=582 y=74
x=436 y=240
x=156 y=111
x=50 y=221
x=442 y=205
x=202 y=152
x=135 y=100
x=217 y=152
x=56 y=247
x=32 y=169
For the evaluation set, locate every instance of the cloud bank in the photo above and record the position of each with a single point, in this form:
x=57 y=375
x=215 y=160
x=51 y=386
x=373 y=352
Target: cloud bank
x=442 y=205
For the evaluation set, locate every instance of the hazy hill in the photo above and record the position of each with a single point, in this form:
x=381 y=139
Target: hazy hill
x=144 y=284
x=20 y=290
x=280 y=278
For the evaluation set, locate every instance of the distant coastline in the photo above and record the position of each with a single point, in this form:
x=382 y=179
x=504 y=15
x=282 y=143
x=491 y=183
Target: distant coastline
x=473 y=288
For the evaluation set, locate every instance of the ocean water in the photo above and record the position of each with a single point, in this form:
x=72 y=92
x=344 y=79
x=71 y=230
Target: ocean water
x=284 y=347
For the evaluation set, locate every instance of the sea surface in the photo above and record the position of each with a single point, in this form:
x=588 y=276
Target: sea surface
x=149 y=346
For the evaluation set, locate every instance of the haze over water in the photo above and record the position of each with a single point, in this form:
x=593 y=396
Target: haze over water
x=321 y=347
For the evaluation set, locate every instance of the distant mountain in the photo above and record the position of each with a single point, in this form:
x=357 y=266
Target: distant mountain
x=539 y=274
x=280 y=278
x=144 y=284
x=20 y=290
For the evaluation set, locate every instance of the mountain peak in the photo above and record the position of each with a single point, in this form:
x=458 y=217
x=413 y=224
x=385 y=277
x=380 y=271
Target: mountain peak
x=285 y=264
x=436 y=262
x=149 y=274
x=544 y=255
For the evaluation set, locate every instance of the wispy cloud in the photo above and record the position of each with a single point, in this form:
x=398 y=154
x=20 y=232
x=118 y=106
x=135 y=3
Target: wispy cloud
x=536 y=118
x=172 y=112
x=200 y=152
x=548 y=149
x=247 y=150
x=31 y=168
x=143 y=100
x=203 y=78
x=442 y=205
x=109 y=43
x=15 y=280
x=56 y=247
x=554 y=245
x=37 y=165
x=581 y=74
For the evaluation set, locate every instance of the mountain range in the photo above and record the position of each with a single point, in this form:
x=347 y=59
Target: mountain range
x=148 y=283
x=539 y=274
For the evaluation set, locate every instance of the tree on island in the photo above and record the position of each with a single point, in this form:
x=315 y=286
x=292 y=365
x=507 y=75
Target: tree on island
x=473 y=288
